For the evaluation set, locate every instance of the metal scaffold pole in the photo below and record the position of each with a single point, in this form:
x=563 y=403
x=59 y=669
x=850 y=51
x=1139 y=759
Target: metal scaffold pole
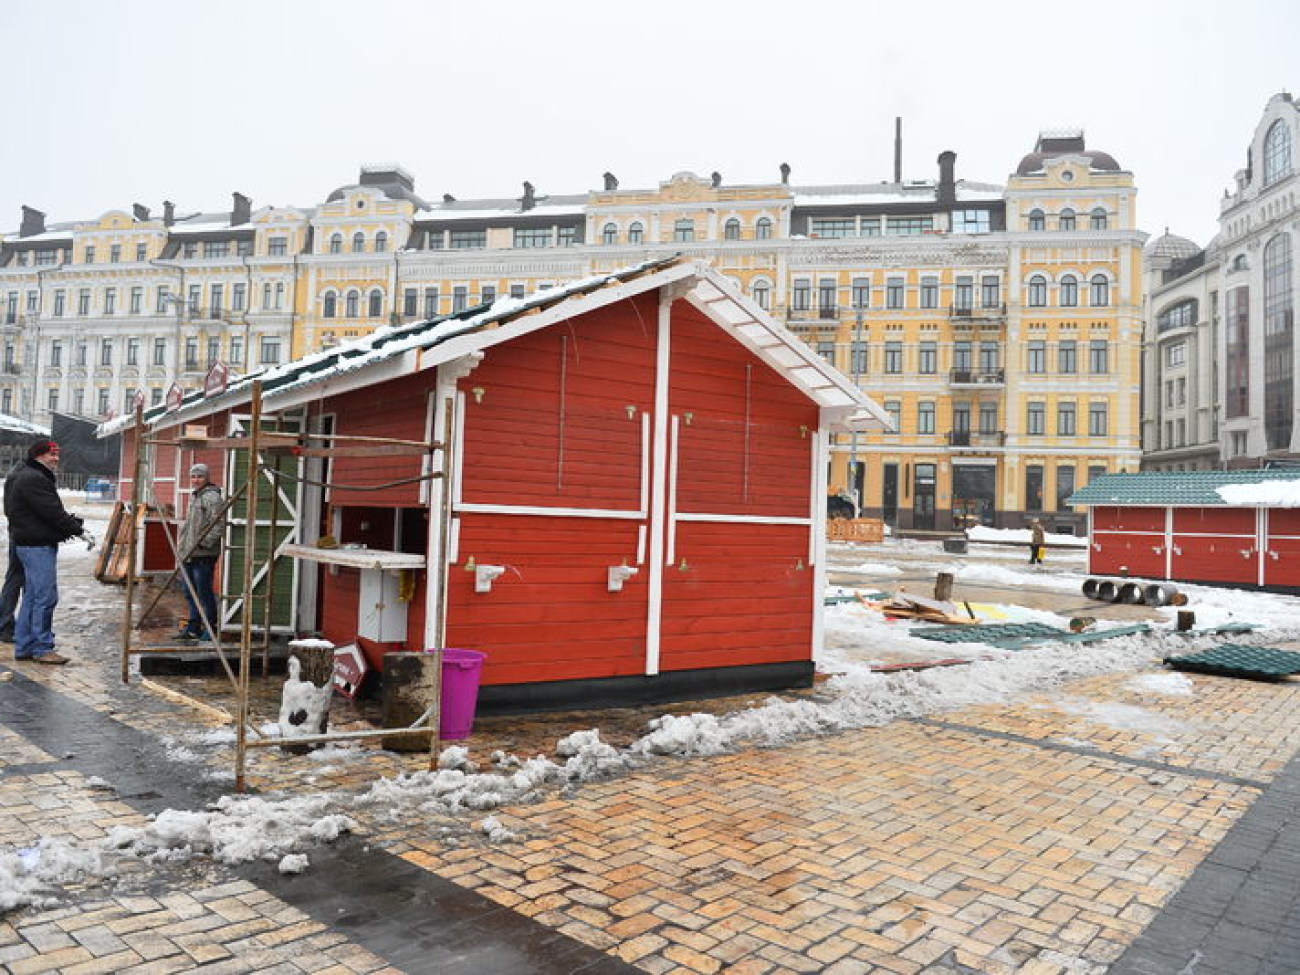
x=250 y=551
x=132 y=542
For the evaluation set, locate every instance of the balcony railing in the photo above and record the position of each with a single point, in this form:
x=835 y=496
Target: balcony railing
x=976 y=438
x=977 y=377
x=829 y=313
x=977 y=312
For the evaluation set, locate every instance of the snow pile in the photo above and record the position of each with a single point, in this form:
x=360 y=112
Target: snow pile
x=982 y=533
x=33 y=875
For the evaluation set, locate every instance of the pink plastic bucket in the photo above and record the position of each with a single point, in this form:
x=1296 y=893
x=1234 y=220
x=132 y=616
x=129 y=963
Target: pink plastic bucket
x=461 y=670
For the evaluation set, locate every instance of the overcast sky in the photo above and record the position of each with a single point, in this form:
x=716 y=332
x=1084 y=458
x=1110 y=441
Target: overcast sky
x=113 y=103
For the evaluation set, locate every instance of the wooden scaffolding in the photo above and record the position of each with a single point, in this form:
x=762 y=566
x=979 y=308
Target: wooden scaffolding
x=122 y=554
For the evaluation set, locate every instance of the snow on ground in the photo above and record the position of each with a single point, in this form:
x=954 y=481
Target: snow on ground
x=853 y=696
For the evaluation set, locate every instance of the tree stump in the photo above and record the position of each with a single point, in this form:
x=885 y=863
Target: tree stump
x=1186 y=620
x=943 y=587
x=315 y=667
x=410 y=684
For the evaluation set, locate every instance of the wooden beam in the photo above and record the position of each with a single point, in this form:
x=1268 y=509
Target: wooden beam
x=363 y=450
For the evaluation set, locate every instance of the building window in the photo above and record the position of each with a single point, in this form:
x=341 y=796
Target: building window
x=196 y=297
x=990 y=356
x=894 y=293
x=1099 y=357
x=635 y=232
x=893 y=357
x=1099 y=296
x=376 y=304
x=336 y=243
x=270 y=350
x=763 y=229
x=462 y=240
x=610 y=234
x=1065 y=420
x=970 y=222
x=237 y=351
x=826 y=349
x=1066 y=220
x=684 y=231
x=1036 y=419
x=60 y=300
x=331 y=305
x=858 y=359
x=110 y=301
x=244 y=247
x=1036 y=220
x=56 y=354
x=895 y=410
x=909 y=225
x=1277 y=153
x=215 y=299
x=1176 y=354
x=964 y=293
x=1097 y=219
x=214 y=351
x=961 y=356
x=1279 y=329
x=192 y=353
x=861 y=293
x=160 y=352
x=1064 y=487
x=238 y=297
x=277 y=246
x=410 y=302
x=216 y=248
x=489 y=294
x=1067 y=356
x=1098 y=423
x=137 y=300
x=141 y=252
x=928 y=358
x=133 y=351
x=381 y=242
x=1181 y=315
x=826 y=294
x=830 y=227
x=115 y=254
x=102 y=402
x=47 y=256
x=105 y=352
x=358 y=243
x=459 y=298
x=532 y=237
x=90 y=255
x=762 y=295
x=1037 y=357
x=430 y=302
x=352 y=304
x=566 y=236
x=1038 y=291
x=929 y=292
x=988 y=418
x=801 y=296
x=1069 y=291
x=83 y=301
x=925 y=417
x=731 y=229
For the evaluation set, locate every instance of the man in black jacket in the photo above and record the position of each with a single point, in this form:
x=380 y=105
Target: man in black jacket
x=37 y=523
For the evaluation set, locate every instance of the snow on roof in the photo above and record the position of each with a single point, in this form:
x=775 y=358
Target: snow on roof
x=14 y=425
x=1274 y=494
x=49 y=235
x=713 y=294
x=507 y=209
x=200 y=228
x=884 y=193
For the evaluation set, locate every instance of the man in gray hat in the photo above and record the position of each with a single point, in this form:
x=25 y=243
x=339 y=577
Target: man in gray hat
x=199 y=548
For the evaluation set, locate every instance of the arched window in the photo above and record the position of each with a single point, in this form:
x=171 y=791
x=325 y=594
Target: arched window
x=358 y=242
x=731 y=229
x=610 y=234
x=635 y=232
x=336 y=243
x=1069 y=291
x=352 y=304
x=1037 y=291
x=1097 y=219
x=763 y=229
x=1100 y=287
x=1277 y=153
x=762 y=294
x=376 y=303
x=331 y=304
x=1066 y=220
x=1036 y=220
x=381 y=242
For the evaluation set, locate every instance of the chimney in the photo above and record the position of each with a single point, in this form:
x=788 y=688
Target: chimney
x=611 y=182
x=947 y=189
x=448 y=198
x=33 y=222
x=140 y=211
x=898 y=148
x=241 y=211
x=785 y=172
x=715 y=180
x=529 y=199
x=169 y=213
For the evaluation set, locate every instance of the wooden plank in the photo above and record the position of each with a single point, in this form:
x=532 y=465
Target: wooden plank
x=364 y=450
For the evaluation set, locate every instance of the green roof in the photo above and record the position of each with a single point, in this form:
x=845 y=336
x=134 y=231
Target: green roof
x=1171 y=487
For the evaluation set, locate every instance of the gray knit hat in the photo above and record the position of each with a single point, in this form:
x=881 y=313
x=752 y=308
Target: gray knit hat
x=199 y=469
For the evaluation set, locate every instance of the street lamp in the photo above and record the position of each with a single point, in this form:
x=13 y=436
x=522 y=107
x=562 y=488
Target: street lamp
x=856 y=355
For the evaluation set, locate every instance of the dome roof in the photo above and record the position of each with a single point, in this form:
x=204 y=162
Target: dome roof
x=1170 y=247
x=1098 y=161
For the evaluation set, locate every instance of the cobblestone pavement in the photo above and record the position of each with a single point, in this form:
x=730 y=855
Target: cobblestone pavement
x=1024 y=837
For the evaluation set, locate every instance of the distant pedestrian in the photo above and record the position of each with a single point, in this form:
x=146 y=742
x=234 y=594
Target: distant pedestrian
x=199 y=549
x=1037 y=541
x=37 y=523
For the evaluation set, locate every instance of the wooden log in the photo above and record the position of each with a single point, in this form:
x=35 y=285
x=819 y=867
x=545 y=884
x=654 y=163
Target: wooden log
x=317 y=659
x=315 y=667
x=410 y=683
x=943 y=586
x=1186 y=620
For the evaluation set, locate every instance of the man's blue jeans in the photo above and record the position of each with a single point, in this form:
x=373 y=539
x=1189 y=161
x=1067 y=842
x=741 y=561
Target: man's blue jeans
x=34 y=628
x=200 y=573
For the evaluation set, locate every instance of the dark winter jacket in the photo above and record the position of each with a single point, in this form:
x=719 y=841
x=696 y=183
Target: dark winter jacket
x=35 y=512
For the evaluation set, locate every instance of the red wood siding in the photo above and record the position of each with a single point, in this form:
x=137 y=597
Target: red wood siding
x=745 y=448
x=1283 y=521
x=550 y=616
x=551 y=425
x=1109 y=518
x=340 y=596
x=1214 y=521
x=1215 y=559
x=397 y=409
x=1136 y=554
x=740 y=597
